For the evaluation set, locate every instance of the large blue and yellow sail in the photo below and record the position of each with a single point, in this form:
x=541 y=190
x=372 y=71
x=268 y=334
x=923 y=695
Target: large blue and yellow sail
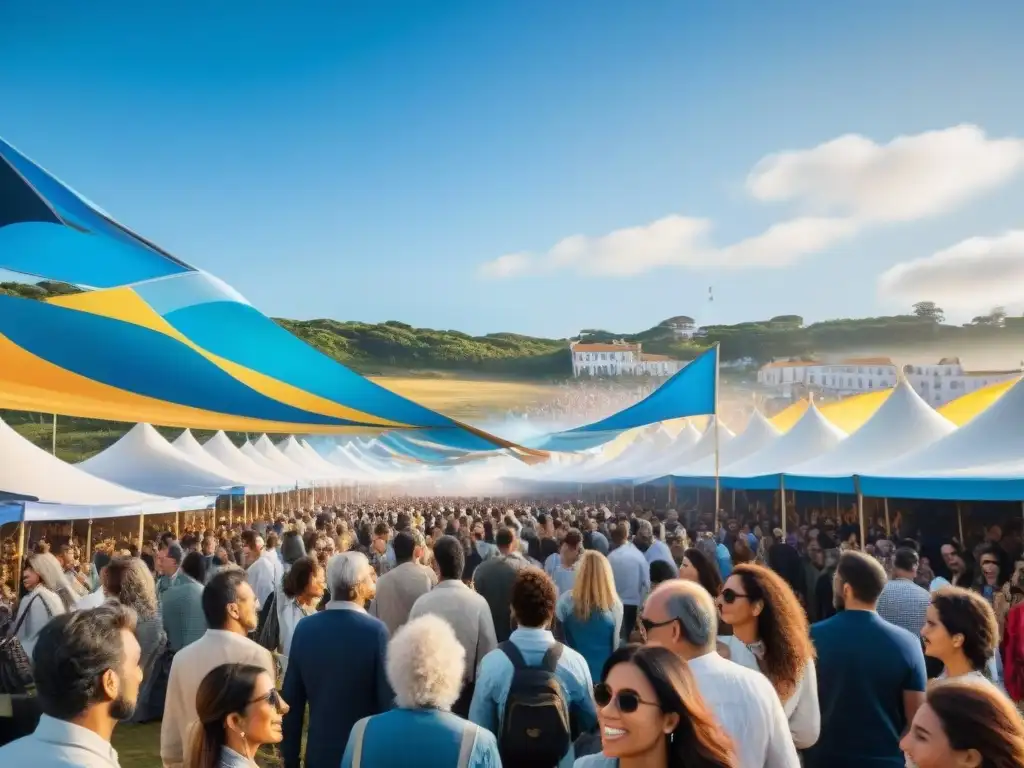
x=157 y=340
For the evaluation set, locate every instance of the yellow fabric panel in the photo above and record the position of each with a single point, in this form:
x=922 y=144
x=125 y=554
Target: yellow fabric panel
x=966 y=407
x=849 y=414
x=790 y=415
x=126 y=305
x=30 y=383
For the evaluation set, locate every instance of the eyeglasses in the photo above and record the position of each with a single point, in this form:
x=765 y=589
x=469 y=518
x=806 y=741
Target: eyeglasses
x=731 y=595
x=646 y=625
x=273 y=698
x=626 y=700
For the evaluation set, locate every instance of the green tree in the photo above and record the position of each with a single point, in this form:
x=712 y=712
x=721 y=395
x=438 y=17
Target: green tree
x=929 y=310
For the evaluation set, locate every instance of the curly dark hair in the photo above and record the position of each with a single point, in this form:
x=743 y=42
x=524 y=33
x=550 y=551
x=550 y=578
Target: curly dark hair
x=781 y=625
x=963 y=612
x=533 y=598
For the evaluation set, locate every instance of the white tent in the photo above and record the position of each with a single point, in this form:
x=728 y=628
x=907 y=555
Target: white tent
x=811 y=436
x=759 y=435
x=697 y=446
x=317 y=460
x=145 y=461
x=29 y=472
x=310 y=462
x=227 y=453
x=903 y=423
x=296 y=476
x=188 y=445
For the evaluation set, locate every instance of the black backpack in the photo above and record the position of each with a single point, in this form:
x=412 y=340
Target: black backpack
x=535 y=729
x=268 y=631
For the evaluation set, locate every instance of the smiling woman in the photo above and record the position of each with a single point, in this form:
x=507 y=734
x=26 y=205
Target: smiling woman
x=651 y=713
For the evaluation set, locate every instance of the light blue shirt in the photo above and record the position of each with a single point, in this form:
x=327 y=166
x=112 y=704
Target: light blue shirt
x=632 y=574
x=594 y=638
x=58 y=744
x=495 y=677
x=563 y=577
x=659 y=551
x=724 y=560
x=436 y=736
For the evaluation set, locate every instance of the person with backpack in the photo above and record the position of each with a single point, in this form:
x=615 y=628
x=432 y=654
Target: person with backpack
x=531 y=691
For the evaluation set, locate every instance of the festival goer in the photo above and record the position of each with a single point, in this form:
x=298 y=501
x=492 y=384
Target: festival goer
x=182 y=606
x=652 y=547
x=871 y=674
x=239 y=710
x=990 y=578
x=78 y=584
x=96 y=597
x=344 y=685
x=292 y=549
x=632 y=576
x=425 y=662
x=467 y=612
x=959 y=564
x=130 y=583
x=681 y=616
x=696 y=566
x=902 y=602
x=533 y=647
x=652 y=715
x=168 y=565
x=960 y=631
x=229 y=606
x=44 y=584
x=495 y=577
x=301 y=592
x=589 y=617
x=87 y=678
x=770 y=634
x=965 y=723
x=563 y=568
x=264 y=569
x=399 y=588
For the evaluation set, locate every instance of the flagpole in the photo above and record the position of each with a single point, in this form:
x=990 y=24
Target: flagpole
x=718 y=482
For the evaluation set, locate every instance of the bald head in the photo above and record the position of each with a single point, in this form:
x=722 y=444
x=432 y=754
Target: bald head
x=687 y=614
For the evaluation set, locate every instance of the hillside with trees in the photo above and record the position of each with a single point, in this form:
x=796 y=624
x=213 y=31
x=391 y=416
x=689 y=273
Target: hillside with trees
x=394 y=346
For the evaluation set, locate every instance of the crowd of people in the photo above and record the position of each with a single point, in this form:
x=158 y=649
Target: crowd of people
x=443 y=632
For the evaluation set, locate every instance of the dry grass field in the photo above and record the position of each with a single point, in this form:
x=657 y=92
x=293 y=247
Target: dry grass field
x=467 y=398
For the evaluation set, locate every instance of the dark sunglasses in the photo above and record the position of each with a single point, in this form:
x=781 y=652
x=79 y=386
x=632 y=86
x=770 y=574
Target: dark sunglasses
x=730 y=596
x=626 y=700
x=646 y=625
x=273 y=699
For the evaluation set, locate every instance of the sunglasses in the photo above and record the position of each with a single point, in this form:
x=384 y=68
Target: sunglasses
x=626 y=700
x=273 y=698
x=730 y=596
x=646 y=625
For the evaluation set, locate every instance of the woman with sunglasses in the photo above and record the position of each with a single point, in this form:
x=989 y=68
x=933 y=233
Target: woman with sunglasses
x=652 y=715
x=771 y=635
x=239 y=711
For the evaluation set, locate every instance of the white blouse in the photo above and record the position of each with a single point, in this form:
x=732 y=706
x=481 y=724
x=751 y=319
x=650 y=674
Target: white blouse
x=802 y=708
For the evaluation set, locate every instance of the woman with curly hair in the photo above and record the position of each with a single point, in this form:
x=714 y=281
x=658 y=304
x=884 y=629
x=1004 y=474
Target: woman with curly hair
x=771 y=634
x=960 y=630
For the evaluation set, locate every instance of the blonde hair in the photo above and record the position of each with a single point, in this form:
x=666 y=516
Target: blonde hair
x=48 y=568
x=595 y=585
x=128 y=579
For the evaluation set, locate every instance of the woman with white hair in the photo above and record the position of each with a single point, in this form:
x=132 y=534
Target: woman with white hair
x=44 y=580
x=425 y=663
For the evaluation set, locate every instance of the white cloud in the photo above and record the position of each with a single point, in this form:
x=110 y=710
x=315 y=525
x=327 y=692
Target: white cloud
x=975 y=274
x=838 y=189
x=909 y=178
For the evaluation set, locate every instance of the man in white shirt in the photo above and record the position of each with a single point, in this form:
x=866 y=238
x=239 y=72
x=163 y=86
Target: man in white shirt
x=681 y=616
x=263 y=567
x=230 y=609
x=87 y=677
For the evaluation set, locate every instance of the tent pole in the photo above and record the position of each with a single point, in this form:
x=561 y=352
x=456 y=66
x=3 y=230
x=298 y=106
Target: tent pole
x=960 y=522
x=888 y=525
x=718 y=478
x=88 y=542
x=782 y=503
x=734 y=502
x=55 y=434
x=860 y=511
x=231 y=510
x=177 y=531
x=142 y=530
x=245 y=508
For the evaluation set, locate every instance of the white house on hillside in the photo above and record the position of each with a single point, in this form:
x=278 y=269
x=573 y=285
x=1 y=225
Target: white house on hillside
x=619 y=359
x=937 y=384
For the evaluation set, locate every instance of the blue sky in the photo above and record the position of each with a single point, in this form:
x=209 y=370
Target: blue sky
x=366 y=160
